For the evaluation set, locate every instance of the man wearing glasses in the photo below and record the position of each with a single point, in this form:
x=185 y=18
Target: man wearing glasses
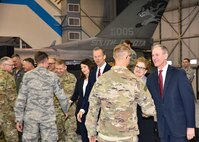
x=133 y=55
x=51 y=62
x=7 y=98
x=18 y=70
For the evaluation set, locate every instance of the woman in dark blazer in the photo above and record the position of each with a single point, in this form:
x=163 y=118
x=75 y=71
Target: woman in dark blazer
x=80 y=88
x=146 y=125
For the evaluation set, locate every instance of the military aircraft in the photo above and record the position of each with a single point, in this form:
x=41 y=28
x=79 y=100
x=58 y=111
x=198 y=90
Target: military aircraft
x=137 y=23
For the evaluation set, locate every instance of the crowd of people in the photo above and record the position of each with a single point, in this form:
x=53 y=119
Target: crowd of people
x=42 y=102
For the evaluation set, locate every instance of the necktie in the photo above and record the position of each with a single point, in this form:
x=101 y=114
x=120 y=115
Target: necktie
x=99 y=73
x=160 y=79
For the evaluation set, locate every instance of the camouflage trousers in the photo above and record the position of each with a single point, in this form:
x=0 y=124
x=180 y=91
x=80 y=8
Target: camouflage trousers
x=32 y=131
x=66 y=129
x=8 y=131
x=102 y=138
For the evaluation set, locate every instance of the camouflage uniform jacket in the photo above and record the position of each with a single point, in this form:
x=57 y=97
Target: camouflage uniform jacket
x=190 y=73
x=36 y=96
x=68 y=82
x=132 y=60
x=117 y=93
x=8 y=92
x=8 y=95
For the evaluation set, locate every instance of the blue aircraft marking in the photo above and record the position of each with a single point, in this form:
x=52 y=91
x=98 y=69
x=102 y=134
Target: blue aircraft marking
x=43 y=14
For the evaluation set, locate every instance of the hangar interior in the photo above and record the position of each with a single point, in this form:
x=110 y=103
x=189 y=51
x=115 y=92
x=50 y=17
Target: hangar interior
x=26 y=26
x=178 y=31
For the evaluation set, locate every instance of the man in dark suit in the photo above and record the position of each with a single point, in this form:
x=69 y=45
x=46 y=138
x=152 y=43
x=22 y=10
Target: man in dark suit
x=175 y=103
x=99 y=58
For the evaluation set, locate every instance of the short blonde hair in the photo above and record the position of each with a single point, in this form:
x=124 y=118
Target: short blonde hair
x=120 y=49
x=60 y=62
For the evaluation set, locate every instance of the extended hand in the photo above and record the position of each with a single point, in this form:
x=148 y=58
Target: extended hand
x=19 y=127
x=79 y=116
x=70 y=101
x=66 y=114
x=190 y=133
x=92 y=139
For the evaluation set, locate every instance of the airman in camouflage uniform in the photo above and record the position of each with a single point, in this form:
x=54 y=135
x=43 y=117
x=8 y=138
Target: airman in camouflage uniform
x=35 y=102
x=117 y=93
x=18 y=71
x=189 y=71
x=66 y=127
x=8 y=96
x=133 y=54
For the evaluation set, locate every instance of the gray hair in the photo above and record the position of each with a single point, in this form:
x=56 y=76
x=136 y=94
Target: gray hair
x=99 y=48
x=4 y=59
x=164 y=49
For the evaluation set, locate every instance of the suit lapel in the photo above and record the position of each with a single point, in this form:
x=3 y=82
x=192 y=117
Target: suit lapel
x=107 y=67
x=167 y=80
x=81 y=86
x=95 y=73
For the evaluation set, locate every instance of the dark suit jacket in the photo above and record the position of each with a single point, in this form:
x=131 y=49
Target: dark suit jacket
x=78 y=93
x=176 y=108
x=91 y=81
x=18 y=77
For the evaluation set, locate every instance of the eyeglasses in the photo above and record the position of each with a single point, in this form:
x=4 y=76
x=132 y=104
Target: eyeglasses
x=12 y=65
x=140 y=68
x=128 y=56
